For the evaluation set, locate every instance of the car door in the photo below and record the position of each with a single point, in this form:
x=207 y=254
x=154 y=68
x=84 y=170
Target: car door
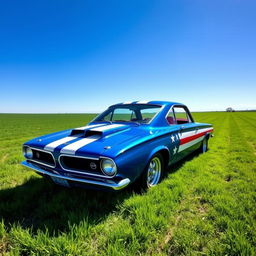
x=187 y=131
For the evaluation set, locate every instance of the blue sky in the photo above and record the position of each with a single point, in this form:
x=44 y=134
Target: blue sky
x=81 y=56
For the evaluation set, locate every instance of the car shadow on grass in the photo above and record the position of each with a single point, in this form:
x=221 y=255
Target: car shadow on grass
x=39 y=204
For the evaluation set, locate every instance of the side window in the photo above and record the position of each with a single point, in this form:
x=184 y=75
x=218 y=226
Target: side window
x=171 y=118
x=181 y=115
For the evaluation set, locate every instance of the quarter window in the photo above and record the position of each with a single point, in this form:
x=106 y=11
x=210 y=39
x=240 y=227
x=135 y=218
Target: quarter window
x=171 y=118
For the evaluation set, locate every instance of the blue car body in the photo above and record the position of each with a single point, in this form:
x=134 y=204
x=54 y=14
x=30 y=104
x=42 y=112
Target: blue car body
x=73 y=157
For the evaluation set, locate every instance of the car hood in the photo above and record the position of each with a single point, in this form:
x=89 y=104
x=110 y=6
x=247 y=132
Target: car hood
x=98 y=139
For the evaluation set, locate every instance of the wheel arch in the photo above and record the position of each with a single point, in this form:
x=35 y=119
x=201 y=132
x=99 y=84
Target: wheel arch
x=164 y=151
x=207 y=136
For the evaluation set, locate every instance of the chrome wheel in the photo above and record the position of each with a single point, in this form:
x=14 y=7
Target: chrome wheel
x=154 y=172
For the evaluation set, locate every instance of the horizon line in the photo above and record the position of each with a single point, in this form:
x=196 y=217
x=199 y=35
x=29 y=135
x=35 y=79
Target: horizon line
x=68 y=113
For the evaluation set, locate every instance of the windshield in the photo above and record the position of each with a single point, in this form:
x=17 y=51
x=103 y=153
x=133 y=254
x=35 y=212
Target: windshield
x=129 y=113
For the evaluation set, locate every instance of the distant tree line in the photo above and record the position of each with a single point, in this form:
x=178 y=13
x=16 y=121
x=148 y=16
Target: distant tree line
x=245 y=110
x=230 y=109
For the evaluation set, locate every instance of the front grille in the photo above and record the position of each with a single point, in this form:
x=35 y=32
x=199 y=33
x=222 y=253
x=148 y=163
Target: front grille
x=43 y=157
x=80 y=164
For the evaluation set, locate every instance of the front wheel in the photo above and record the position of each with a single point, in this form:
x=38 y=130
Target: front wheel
x=153 y=172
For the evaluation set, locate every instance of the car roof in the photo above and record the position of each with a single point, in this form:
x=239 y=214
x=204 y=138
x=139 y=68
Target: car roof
x=157 y=102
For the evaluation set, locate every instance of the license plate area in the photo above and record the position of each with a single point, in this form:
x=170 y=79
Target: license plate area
x=60 y=181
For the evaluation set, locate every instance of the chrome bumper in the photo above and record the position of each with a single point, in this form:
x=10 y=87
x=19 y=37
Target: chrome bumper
x=109 y=183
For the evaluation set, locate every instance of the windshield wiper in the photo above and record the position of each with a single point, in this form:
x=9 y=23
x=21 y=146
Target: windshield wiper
x=126 y=121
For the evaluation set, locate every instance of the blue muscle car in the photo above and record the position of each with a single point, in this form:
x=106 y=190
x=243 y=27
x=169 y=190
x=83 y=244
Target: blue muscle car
x=131 y=141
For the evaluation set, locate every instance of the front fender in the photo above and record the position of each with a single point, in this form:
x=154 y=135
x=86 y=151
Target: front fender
x=157 y=149
x=131 y=163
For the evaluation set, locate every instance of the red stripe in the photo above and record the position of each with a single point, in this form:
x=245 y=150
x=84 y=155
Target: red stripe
x=193 y=137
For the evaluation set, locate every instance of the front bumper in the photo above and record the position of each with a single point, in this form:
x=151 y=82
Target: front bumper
x=106 y=183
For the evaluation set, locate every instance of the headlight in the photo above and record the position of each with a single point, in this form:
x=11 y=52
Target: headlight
x=108 y=166
x=27 y=152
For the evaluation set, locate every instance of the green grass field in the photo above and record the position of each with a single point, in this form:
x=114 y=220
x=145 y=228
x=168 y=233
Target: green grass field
x=205 y=205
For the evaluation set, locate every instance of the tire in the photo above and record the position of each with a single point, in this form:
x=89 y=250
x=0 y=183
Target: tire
x=153 y=172
x=204 y=146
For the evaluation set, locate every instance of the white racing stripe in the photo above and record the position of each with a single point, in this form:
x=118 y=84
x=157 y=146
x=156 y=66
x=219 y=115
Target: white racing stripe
x=88 y=126
x=106 y=127
x=127 y=102
x=73 y=147
x=191 y=133
x=51 y=146
x=204 y=130
x=142 y=102
x=183 y=135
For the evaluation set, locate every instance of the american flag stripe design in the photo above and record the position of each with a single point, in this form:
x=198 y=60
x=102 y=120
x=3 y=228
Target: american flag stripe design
x=188 y=139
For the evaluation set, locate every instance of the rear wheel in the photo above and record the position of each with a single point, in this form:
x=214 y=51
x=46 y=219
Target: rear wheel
x=204 y=146
x=153 y=172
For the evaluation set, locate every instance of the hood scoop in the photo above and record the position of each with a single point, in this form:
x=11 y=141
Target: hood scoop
x=85 y=133
x=77 y=132
x=100 y=131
